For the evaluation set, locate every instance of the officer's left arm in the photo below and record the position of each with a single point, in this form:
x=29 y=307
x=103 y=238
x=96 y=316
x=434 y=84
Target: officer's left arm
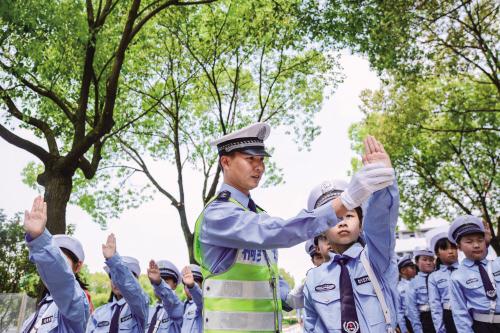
x=59 y=278
x=435 y=304
x=130 y=288
x=171 y=303
x=379 y=226
x=462 y=317
x=197 y=296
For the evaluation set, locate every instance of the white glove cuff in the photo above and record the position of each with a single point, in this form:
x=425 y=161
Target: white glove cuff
x=347 y=201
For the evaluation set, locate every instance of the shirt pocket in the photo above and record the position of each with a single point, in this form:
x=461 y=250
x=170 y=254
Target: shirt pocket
x=473 y=288
x=372 y=310
x=327 y=305
x=128 y=323
x=48 y=323
x=422 y=295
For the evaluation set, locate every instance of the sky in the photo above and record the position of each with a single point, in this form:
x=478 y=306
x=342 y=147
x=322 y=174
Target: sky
x=153 y=231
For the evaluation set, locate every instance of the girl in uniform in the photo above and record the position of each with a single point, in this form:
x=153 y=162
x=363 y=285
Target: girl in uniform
x=417 y=295
x=64 y=307
x=439 y=294
x=128 y=307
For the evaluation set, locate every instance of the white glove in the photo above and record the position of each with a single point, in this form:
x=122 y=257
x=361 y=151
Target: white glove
x=369 y=179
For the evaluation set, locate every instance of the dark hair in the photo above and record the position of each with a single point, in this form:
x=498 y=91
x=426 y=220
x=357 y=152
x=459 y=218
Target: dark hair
x=359 y=212
x=83 y=284
x=443 y=244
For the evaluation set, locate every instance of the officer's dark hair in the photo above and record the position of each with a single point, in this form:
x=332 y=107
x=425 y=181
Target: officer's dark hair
x=442 y=244
x=230 y=154
x=81 y=281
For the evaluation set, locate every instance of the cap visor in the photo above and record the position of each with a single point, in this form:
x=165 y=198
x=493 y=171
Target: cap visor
x=255 y=151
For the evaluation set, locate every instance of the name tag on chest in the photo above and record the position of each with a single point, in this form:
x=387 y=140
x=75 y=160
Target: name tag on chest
x=362 y=280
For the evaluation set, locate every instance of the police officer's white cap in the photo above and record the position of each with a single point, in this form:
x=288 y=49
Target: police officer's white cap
x=249 y=140
x=404 y=261
x=419 y=252
x=168 y=269
x=196 y=270
x=131 y=263
x=465 y=225
x=310 y=247
x=434 y=235
x=70 y=243
x=325 y=192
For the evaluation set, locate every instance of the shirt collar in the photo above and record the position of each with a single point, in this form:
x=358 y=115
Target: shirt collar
x=444 y=268
x=235 y=194
x=423 y=274
x=469 y=263
x=120 y=302
x=353 y=251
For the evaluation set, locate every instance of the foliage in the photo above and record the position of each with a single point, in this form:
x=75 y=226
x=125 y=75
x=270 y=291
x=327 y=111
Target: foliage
x=443 y=138
x=17 y=273
x=287 y=277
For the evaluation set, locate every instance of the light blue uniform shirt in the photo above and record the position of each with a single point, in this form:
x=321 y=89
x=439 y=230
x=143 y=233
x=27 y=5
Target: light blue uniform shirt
x=467 y=292
x=173 y=306
x=402 y=287
x=72 y=307
x=192 y=321
x=227 y=227
x=321 y=292
x=416 y=296
x=439 y=295
x=134 y=313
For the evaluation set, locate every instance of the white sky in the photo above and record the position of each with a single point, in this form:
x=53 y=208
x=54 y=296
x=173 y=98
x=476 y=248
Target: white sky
x=153 y=230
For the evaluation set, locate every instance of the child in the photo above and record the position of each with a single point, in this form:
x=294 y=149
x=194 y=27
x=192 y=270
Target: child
x=64 y=307
x=417 y=295
x=439 y=295
x=128 y=306
x=475 y=283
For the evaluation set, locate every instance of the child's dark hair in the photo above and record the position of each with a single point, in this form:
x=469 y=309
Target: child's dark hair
x=442 y=244
x=75 y=261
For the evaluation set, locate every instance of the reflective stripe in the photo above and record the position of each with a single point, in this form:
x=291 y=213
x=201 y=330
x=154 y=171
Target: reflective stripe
x=244 y=272
x=486 y=318
x=238 y=289
x=238 y=321
x=231 y=305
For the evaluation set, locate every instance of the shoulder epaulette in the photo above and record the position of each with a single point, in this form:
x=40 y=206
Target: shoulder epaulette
x=223 y=196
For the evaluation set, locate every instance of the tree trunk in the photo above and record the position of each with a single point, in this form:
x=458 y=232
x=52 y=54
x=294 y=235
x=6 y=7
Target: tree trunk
x=495 y=241
x=57 y=193
x=188 y=235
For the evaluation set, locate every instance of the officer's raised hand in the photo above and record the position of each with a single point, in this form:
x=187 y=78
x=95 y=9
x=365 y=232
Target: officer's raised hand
x=187 y=277
x=109 y=249
x=376 y=174
x=375 y=152
x=154 y=273
x=36 y=219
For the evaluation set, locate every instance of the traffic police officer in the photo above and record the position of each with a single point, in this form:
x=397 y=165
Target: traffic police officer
x=166 y=315
x=128 y=307
x=65 y=307
x=356 y=289
x=417 y=295
x=439 y=295
x=235 y=239
x=192 y=279
x=407 y=272
x=475 y=283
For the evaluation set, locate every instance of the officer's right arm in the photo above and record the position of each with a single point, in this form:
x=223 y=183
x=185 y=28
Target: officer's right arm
x=311 y=314
x=435 y=304
x=412 y=309
x=227 y=224
x=462 y=317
